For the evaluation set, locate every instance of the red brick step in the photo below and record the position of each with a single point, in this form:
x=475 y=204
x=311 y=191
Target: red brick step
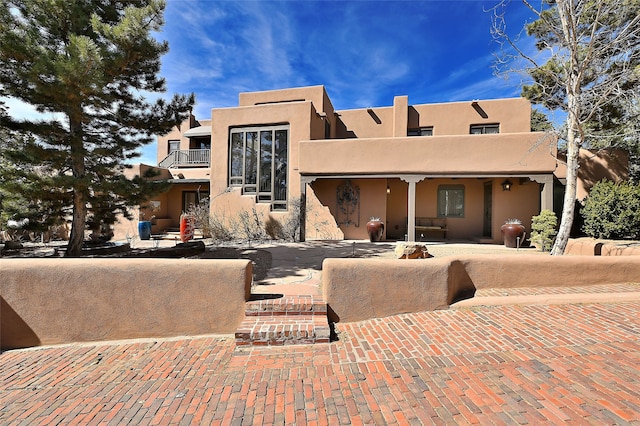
x=287 y=320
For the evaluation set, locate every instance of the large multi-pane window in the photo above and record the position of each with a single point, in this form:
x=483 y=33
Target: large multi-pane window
x=451 y=201
x=258 y=162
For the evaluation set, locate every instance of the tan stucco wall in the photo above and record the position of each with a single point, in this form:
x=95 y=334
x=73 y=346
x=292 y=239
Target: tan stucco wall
x=52 y=301
x=594 y=166
x=504 y=153
x=592 y=247
x=366 y=123
x=361 y=289
x=320 y=218
x=453 y=118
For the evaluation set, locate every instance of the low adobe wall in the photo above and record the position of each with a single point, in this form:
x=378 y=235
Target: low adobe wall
x=589 y=247
x=361 y=289
x=53 y=301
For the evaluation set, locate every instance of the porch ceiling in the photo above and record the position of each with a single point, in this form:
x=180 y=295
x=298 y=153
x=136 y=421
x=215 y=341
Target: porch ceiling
x=503 y=154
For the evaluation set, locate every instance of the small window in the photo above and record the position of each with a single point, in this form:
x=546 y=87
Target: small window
x=421 y=131
x=484 y=129
x=174 y=146
x=451 y=201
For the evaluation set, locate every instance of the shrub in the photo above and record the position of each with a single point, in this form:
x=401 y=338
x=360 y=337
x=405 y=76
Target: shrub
x=291 y=225
x=289 y=228
x=249 y=226
x=543 y=229
x=200 y=214
x=218 y=229
x=273 y=228
x=612 y=211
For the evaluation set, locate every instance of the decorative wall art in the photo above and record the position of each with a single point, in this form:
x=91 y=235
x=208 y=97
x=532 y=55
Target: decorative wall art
x=348 y=197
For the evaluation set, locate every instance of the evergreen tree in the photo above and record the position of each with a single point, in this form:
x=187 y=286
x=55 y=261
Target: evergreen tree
x=587 y=66
x=87 y=64
x=540 y=122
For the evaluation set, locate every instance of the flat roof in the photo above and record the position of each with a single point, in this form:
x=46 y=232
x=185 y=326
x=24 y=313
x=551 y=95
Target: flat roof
x=198 y=131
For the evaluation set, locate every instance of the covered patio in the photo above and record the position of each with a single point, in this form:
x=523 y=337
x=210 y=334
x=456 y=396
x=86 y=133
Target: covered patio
x=475 y=182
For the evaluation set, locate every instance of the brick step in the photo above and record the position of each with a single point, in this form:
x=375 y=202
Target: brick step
x=263 y=305
x=288 y=320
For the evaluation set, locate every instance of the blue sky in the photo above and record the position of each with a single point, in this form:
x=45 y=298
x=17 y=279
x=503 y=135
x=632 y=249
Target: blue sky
x=363 y=52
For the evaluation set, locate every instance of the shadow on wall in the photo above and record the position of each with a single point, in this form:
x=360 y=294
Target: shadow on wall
x=14 y=332
x=460 y=284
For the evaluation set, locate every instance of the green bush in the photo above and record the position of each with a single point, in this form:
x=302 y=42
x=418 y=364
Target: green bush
x=612 y=211
x=543 y=229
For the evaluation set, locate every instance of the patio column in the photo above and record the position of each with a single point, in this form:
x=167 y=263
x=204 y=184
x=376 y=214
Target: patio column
x=411 y=204
x=304 y=180
x=546 y=195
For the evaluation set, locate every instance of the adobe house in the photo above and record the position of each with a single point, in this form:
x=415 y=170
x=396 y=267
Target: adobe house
x=471 y=165
x=465 y=167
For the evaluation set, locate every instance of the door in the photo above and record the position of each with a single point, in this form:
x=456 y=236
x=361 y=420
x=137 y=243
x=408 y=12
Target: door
x=488 y=202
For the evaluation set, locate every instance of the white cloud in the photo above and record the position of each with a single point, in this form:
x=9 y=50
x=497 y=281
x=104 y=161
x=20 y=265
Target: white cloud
x=22 y=111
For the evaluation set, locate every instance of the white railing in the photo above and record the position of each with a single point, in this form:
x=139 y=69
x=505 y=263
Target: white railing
x=186 y=158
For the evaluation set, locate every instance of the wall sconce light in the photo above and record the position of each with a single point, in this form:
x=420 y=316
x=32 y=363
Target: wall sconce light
x=506 y=185
x=388 y=190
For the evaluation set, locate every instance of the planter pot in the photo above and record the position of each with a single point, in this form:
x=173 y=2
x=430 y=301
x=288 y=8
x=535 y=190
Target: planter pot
x=513 y=234
x=144 y=230
x=375 y=229
x=187 y=227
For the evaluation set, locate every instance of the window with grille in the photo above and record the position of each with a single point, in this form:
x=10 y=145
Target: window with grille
x=258 y=162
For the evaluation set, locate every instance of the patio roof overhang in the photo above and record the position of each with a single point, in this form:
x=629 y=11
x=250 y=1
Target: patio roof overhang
x=198 y=131
x=436 y=156
x=178 y=181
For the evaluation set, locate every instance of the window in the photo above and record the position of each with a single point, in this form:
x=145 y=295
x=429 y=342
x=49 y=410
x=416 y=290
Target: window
x=421 y=131
x=258 y=159
x=484 y=129
x=174 y=146
x=451 y=201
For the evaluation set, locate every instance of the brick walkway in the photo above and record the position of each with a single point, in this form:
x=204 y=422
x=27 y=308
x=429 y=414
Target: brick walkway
x=486 y=365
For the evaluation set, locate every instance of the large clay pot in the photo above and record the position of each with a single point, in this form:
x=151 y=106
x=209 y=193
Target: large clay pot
x=144 y=230
x=513 y=234
x=187 y=227
x=375 y=229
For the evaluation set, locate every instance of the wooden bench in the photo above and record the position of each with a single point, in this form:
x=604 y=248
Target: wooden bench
x=429 y=226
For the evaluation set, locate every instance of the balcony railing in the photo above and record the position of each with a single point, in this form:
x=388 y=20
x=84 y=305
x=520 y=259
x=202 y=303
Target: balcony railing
x=187 y=158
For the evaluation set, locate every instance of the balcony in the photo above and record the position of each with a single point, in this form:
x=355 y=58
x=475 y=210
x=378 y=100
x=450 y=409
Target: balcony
x=496 y=154
x=187 y=158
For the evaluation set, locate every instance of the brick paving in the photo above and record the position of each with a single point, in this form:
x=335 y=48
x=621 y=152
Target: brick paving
x=575 y=364
x=531 y=291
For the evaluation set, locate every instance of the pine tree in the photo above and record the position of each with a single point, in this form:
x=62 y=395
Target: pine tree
x=87 y=64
